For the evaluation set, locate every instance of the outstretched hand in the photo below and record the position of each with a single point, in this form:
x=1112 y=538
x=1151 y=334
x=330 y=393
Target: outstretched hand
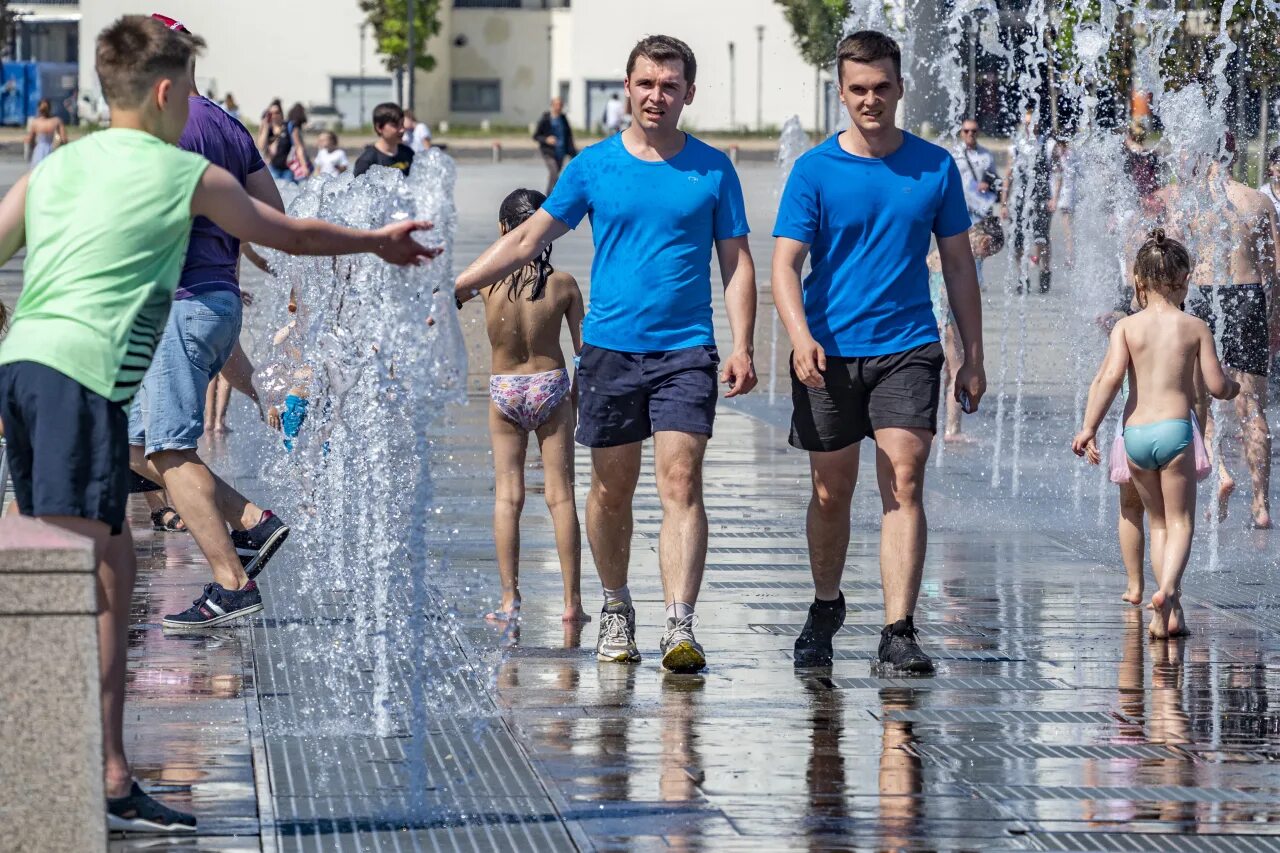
x=971 y=381
x=397 y=246
x=740 y=373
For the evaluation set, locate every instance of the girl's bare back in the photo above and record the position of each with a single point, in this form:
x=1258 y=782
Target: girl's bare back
x=1164 y=347
x=524 y=333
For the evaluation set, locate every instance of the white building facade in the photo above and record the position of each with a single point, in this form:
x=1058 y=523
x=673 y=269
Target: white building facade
x=497 y=61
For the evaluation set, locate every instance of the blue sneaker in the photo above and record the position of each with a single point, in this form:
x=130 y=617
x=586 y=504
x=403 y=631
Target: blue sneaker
x=259 y=543
x=217 y=606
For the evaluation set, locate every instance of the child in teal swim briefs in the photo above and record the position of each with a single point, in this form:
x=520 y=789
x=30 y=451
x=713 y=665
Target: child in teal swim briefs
x=1159 y=349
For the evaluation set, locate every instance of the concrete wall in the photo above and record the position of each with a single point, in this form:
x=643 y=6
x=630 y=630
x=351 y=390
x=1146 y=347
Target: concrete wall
x=258 y=49
x=509 y=45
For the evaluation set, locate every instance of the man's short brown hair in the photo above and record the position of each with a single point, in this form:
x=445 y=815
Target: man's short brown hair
x=134 y=52
x=664 y=49
x=867 y=46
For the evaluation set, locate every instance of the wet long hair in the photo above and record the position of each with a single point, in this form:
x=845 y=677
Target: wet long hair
x=1162 y=263
x=516 y=208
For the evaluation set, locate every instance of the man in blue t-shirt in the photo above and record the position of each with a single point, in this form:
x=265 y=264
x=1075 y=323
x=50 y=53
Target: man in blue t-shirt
x=166 y=420
x=659 y=200
x=866 y=362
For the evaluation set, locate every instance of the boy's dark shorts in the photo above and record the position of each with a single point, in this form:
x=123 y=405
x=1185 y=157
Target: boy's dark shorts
x=1245 y=341
x=68 y=447
x=866 y=394
x=625 y=397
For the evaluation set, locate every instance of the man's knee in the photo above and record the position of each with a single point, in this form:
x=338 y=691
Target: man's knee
x=905 y=489
x=612 y=492
x=681 y=484
x=163 y=460
x=832 y=493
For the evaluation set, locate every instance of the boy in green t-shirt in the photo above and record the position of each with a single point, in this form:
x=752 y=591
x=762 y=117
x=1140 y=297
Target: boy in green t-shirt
x=105 y=221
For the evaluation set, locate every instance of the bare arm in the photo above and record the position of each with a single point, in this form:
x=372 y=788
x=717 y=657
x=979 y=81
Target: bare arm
x=301 y=148
x=961 y=278
x=738 y=274
x=60 y=133
x=509 y=253
x=221 y=198
x=262 y=186
x=1215 y=378
x=1105 y=386
x=808 y=359
x=575 y=314
x=13 y=221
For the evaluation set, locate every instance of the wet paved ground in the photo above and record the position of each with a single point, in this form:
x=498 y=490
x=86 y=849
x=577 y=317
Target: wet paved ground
x=1052 y=724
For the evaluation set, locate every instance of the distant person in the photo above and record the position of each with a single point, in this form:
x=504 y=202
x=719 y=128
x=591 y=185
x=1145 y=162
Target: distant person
x=977 y=167
x=417 y=135
x=270 y=132
x=531 y=392
x=1025 y=199
x=1270 y=186
x=555 y=141
x=1161 y=350
x=1142 y=166
x=45 y=132
x=330 y=159
x=614 y=110
x=1065 y=180
x=229 y=104
x=387 y=149
x=289 y=161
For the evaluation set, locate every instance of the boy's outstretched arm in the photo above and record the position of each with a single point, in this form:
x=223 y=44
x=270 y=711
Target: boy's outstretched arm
x=1216 y=380
x=221 y=198
x=13 y=220
x=1103 y=391
x=509 y=253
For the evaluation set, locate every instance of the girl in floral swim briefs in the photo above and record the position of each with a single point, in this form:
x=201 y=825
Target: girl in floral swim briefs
x=531 y=392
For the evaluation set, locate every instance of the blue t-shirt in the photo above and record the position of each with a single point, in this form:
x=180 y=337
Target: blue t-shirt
x=868 y=222
x=654 y=224
x=212 y=252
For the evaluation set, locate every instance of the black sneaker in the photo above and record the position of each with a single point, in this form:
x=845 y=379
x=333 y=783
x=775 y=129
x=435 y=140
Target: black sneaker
x=216 y=606
x=899 y=651
x=813 y=646
x=137 y=812
x=259 y=543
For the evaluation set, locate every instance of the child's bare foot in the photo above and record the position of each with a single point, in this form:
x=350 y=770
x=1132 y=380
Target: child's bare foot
x=1133 y=595
x=959 y=438
x=1261 y=516
x=1177 y=620
x=574 y=613
x=1225 y=488
x=1161 y=607
x=509 y=611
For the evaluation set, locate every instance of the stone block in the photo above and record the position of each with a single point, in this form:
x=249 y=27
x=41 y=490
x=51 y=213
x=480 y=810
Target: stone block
x=51 y=794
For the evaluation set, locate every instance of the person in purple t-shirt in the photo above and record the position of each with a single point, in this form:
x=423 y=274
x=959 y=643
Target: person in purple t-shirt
x=167 y=418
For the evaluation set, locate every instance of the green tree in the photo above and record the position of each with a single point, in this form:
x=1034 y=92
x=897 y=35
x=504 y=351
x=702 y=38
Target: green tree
x=816 y=27
x=390 y=22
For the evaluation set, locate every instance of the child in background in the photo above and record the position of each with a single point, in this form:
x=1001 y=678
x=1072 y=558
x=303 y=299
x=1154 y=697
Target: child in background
x=387 y=150
x=530 y=392
x=986 y=238
x=330 y=159
x=1159 y=349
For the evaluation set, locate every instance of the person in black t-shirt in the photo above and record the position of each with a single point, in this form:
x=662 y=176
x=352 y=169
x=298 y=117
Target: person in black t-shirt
x=388 y=123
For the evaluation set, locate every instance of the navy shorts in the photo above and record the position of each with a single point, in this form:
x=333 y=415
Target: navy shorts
x=865 y=394
x=68 y=447
x=625 y=397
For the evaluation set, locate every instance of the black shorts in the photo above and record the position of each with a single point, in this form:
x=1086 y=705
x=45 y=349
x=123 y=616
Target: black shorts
x=1040 y=220
x=866 y=394
x=625 y=397
x=1244 y=330
x=68 y=447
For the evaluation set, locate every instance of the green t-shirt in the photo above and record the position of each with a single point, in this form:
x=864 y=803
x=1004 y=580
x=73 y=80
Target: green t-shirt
x=108 y=218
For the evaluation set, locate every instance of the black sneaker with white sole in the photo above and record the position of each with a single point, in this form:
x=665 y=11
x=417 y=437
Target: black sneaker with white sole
x=813 y=646
x=899 y=651
x=259 y=543
x=217 y=605
x=137 y=812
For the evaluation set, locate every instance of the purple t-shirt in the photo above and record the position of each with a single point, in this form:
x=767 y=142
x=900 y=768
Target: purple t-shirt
x=212 y=252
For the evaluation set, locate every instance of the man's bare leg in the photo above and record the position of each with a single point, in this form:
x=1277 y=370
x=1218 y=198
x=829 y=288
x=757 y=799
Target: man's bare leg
x=1226 y=483
x=201 y=499
x=901 y=456
x=614 y=474
x=834 y=476
x=1251 y=406
x=682 y=540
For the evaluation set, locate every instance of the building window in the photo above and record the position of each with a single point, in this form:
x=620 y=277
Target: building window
x=475 y=96
x=487 y=4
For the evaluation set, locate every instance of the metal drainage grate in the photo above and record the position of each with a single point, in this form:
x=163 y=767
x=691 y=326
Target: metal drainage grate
x=746 y=549
x=1136 y=842
x=760 y=567
x=858 y=585
x=803 y=606
x=943 y=654
x=1156 y=794
x=791 y=629
x=976 y=683
x=1001 y=717
x=1037 y=751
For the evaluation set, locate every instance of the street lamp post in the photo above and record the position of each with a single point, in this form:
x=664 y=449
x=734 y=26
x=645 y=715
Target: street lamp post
x=760 y=77
x=360 y=118
x=733 y=91
x=410 y=58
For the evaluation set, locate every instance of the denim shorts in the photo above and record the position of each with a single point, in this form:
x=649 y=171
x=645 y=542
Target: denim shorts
x=168 y=412
x=625 y=397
